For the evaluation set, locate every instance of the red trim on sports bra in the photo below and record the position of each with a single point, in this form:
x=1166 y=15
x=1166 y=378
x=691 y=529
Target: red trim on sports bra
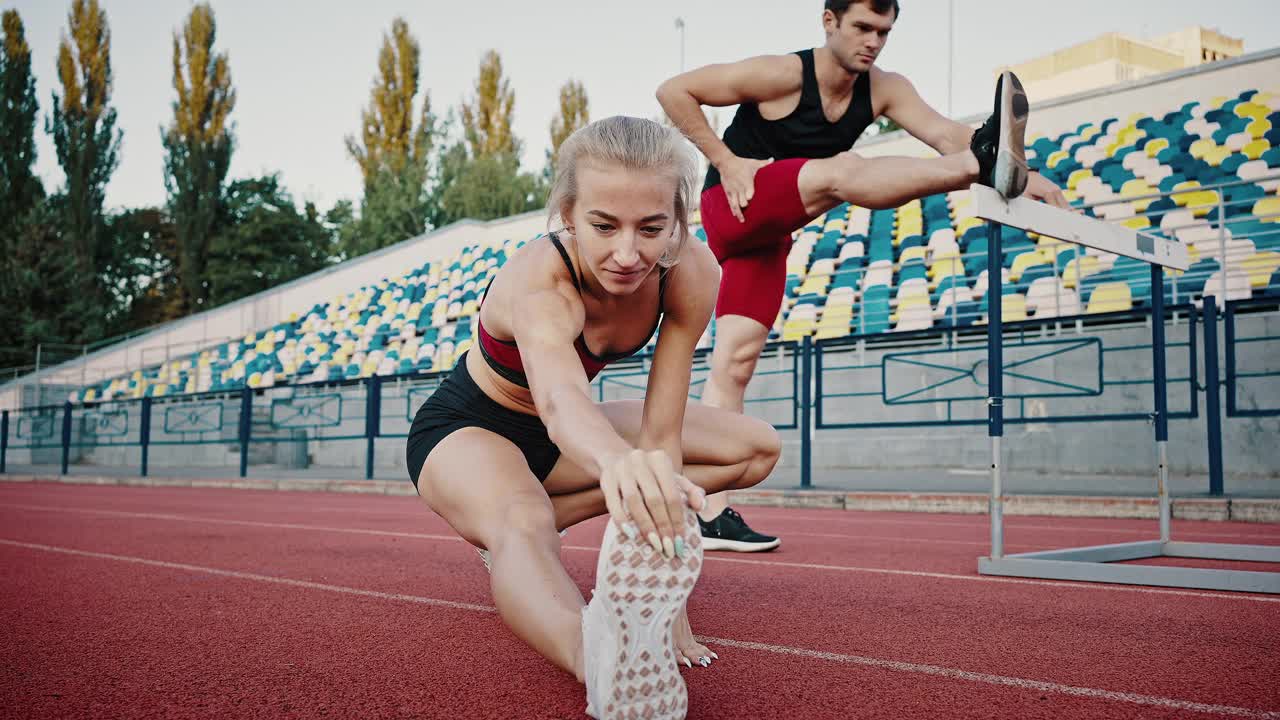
x=504 y=357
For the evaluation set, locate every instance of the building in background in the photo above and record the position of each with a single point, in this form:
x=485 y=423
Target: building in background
x=1116 y=58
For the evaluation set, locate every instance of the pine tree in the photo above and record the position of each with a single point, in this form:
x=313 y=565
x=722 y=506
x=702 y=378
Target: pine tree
x=486 y=119
x=87 y=146
x=393 y=151
x=574 y=114
x=198 y=145
x=390 y=140
x=20 y=189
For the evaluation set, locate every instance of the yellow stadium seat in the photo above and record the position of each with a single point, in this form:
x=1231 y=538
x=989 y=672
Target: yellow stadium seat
x=1130 y=135
x=1138 y=222
x=1268 y=206
x=1078 y=268
x=945 y=263
x=1013 y=308
x=814 y=284
x=1110 y=297
x=1200 y=202
x=1216 y=155
x=1254 y=149
x=967 y=224
x=1260 y=267
x=1200 y=147
x=1154 y=147
x=909 y=301
x=912 y=253
x=1138 y=188
x=1076 y=176
x=1258 y=128
x=1183 y=192
x=1024 y=261
x=1251 y=110
x=1056 y=157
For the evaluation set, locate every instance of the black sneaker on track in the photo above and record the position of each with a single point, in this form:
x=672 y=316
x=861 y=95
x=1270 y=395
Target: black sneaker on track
x=730 y=532
x=1000 y=144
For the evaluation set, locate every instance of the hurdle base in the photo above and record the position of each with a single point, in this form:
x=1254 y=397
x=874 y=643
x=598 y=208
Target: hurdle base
x=1090 y=564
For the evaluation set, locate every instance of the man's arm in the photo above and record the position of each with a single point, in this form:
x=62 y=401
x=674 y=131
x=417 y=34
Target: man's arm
x=756 y=79
x=903 y=105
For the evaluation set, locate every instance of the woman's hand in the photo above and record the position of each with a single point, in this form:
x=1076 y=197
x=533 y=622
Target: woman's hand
x=646 y=498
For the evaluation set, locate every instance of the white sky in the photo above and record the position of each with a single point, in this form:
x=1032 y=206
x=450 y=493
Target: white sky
x=302 y=70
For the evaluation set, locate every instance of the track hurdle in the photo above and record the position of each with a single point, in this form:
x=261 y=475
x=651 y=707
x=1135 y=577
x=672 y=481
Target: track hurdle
x=1095 y=563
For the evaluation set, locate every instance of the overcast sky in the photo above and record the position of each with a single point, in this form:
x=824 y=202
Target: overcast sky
x=302 y=70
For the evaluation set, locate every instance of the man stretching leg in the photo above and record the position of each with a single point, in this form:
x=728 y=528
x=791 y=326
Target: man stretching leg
x=785 y=160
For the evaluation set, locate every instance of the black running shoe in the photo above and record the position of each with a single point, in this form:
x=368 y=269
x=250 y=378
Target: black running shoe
x=730 y=532
x=1000 y=144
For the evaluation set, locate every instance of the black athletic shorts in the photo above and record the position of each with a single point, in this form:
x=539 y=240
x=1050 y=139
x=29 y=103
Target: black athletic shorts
x=459 y=403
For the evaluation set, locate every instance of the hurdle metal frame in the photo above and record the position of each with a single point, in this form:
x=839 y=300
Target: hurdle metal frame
x=1094 y=563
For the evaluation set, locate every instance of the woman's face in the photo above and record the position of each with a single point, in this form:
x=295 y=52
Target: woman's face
x=624 y=220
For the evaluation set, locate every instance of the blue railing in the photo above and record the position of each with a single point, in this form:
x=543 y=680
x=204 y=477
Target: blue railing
x=1263 y=398
x=922 y=379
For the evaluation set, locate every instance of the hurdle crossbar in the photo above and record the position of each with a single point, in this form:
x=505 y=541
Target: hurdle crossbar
x=1092 y=564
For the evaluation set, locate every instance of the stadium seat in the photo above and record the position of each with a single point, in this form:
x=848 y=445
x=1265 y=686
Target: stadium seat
x=1110 y=297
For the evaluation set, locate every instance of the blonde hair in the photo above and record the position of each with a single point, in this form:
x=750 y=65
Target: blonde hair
x=636 y=144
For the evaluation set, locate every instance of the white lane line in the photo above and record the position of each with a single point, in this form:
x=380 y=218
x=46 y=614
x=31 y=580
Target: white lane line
x=252 y=576
x=894 y=665
x=1022 y=683
x=221 y=521
x=1057 y=584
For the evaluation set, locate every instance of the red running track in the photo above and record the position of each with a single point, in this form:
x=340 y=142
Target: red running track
x=155 y=602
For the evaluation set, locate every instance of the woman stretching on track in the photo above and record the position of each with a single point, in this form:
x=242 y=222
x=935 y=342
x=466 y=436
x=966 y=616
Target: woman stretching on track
x=511 y=448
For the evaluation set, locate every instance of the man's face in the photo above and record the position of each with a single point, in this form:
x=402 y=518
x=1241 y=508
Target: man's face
x=857 y=38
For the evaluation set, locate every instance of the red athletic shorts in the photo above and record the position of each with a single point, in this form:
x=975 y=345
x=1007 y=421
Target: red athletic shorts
x=753 y=254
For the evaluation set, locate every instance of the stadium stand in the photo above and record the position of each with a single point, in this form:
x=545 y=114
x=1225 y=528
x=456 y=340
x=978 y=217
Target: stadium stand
x=1205 y=173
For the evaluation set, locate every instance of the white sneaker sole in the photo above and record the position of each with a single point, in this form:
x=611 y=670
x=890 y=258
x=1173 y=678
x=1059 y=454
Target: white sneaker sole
x=738 y=545
x=642 y=591
x=1010 y=174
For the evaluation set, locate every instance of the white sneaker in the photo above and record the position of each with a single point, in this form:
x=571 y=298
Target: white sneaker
x=628 y=656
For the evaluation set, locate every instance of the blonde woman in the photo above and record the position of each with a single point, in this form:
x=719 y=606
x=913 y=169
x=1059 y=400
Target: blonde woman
x=511 y=448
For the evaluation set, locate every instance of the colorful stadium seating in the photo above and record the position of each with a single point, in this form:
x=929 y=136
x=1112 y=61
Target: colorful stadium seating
x=854 y=270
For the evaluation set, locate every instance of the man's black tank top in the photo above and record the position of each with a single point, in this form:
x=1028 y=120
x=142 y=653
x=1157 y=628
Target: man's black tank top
x=806 y=132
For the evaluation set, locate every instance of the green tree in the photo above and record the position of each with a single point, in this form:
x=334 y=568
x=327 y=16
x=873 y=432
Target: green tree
x=87 y=143
x=478 y=176
x=393 y=150
x=143 y=272
x=37 y=283
x=198 y=145
x=264 y=240
x=574 y=114
x=489 y=187
x=486 y=118
x=20 y=189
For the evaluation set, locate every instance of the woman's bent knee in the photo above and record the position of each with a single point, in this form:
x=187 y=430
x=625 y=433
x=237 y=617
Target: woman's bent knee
x=524 y=521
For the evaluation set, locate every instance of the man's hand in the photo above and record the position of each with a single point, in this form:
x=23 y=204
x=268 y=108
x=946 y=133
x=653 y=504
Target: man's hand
x=738 y=175
x=1039 y=188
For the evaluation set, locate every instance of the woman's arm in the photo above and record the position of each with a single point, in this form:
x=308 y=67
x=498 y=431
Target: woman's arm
x=690 y=300
x=639 y=487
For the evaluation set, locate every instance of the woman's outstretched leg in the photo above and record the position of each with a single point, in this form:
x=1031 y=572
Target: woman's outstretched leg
x=481 y=485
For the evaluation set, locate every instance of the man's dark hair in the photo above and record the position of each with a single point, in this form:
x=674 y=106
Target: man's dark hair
x=840 y=7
